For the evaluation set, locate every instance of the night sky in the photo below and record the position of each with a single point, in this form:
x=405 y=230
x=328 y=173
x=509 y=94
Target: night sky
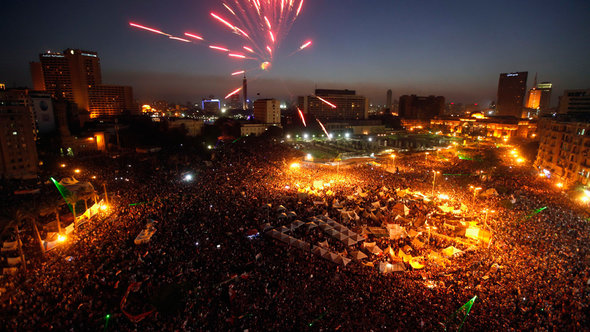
x=452 y=48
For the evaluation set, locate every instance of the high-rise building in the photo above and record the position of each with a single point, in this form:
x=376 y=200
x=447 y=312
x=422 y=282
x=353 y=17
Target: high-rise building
x=389 y=100
x=545 y=88
x=534 y=99
x=421 y=108
x=335 y=105
x=76 y=76
x=575 y=101
x=267 y=111
x=18 y=153
x=245 y=90
x=511 y=93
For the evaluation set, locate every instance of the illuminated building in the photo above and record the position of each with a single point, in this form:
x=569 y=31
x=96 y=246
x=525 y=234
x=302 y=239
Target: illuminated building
x=545 y=88
x=267 y=111
x=534 y=99
x=575 y=101
x=479 y=125
x=511 y=93
x=193 y=127
x=111 y=100
x=18 y=153
x=421 y=108
x=212 y=106
x=336 y=105
x=564 y=147
x=76 y=76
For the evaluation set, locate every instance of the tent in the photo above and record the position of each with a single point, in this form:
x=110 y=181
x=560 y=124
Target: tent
x=389 y=267
x=281 y=208
x=266 y=227
x=145 y=235
x=376 y=204
x=292 y=240
x=332 y=232
x=358 y=255
x=451 y=251
x=284 y=237
x=291 y=214
x=283 y=229
x=400 y=209
x=324 y=244
x=283 y=215
x=395 y=231
x=297 y=223
x=417 y=244
x=417 y=263
x=374 y=249
x=389 y=252
x=311 y=225
x=302 y=245
x=348 y=241
x=274 y=233
x=342 y=260
x=489 y=192
x=405 y=257
x=412 y=233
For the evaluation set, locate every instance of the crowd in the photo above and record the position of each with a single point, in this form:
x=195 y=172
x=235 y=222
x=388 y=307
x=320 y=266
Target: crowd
x=201 y=271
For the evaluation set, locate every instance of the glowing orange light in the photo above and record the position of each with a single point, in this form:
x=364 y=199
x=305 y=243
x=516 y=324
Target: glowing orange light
x=233 y=93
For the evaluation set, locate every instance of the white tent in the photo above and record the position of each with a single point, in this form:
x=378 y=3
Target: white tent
x=395 y=231
x=323 y=244
x=281 y=208
x=389 y=268
x=376 y=204
x=451 y=251
x=342 y=260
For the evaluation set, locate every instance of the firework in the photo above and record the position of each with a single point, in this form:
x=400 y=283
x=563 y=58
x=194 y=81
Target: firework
x=323 y=128
x=233 y=93
x=326 y=102
x=238 y=73
x=302 y=117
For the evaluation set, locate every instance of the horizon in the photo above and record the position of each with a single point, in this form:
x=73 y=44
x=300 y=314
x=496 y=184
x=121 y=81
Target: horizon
x=456 y=50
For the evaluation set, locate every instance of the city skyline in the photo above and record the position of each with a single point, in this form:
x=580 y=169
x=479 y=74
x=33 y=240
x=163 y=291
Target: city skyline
x=455 y=49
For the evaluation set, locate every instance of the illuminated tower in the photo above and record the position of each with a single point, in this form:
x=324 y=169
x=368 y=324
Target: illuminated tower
x=245 y=89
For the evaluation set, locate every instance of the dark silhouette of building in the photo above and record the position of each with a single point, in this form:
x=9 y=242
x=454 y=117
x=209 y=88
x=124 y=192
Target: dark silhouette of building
x=421 y=108
x=575 y=101
x=546 y=89
x=511 y=94
x=389 y=101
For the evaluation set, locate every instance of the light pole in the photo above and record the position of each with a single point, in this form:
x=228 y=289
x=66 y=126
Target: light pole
x=475 y=189
x=393 y=161
x=434 y=180
x=485 y=221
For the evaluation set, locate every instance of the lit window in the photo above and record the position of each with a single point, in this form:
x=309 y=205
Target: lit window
x=14 y=133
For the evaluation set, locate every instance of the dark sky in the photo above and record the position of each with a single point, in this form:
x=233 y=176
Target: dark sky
x=452 y=48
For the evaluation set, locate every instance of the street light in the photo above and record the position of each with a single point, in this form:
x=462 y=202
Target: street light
x=434 y=180
x=475 y=189
x=77 y=171
x=485 y=221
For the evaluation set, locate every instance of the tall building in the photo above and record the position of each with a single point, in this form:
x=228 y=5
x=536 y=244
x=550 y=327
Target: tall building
x=18 y=153
x=389 y=101
x=563 y=148
x=76 y=76
x=245 y=90
x=421 y=108
x=575 y=101
x=335 y=105
x=534 y=98
x=267 y=111
x=511 y=93
x=545 y=88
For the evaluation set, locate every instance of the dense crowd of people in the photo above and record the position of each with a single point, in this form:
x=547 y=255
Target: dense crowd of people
x=206 y=269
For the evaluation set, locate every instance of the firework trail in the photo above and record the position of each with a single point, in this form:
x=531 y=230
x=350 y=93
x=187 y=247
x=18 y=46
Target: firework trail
x=323 y=128
x=326 y=102
x=263 y=24
x=302 y=117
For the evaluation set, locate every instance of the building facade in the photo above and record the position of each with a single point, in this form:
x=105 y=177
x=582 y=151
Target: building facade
x=511 y=94
x=498 y=127
x=18 y=153
x=421 y=108
x=546 y=88
x=267 y=111
x=564 y=150
x=111 y=100
x=575 y=101
x=335 y=105
x=76 y=76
